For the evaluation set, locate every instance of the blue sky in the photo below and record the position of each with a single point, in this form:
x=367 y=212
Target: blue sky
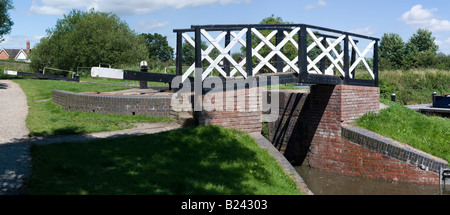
x=374 y=18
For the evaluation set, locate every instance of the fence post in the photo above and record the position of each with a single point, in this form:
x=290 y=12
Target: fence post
x=278 y=60
x=226 y=62
x=346 y=61
x=322 y=61
x=144 y=68
x=198 y=72
x=179 y=54
x=302 y=55
x=248 y=52
x=375 y=63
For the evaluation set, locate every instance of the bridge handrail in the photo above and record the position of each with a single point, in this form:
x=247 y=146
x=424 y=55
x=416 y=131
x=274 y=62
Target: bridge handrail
x=284 y=33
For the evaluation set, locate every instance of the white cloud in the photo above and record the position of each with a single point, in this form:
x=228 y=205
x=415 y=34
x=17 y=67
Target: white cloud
x=149 y=25
x=320 y=3
x=56 y=7
x=364 y=31
x=120 y=7
x=418 y=16
x=444 y=45
x=19 y=41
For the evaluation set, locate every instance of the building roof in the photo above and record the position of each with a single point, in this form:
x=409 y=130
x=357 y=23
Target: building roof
x=12 y=52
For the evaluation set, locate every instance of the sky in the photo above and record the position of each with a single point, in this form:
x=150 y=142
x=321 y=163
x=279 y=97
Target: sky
x=372 y=18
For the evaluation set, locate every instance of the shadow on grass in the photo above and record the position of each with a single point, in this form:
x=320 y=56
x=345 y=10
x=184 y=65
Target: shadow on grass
x=71 y=130
x=200 y=160
x=15 y=166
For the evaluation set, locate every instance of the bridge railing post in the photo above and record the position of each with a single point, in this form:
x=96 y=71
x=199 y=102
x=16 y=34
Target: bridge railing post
x=248 y=52
x=375 y=63
x=278 y=60
x=179 y=54
x=226 y=62
x=346 y=61
x=302 y=54
x=198 y=72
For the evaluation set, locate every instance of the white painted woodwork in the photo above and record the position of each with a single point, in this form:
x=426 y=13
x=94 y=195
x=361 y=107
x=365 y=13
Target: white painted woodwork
x=10 y=72
x=102 y=72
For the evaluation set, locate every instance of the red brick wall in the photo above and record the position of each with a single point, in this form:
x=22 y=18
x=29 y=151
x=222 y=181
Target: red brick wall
x=245 y=116
x=3 y=56
x=330 y=107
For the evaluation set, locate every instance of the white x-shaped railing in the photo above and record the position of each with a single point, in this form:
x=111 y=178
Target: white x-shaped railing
x=327 y=46
x=275 y=50
x=361 y=56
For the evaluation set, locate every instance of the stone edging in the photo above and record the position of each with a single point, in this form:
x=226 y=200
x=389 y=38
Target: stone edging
x=104 y=104
x=392 y=148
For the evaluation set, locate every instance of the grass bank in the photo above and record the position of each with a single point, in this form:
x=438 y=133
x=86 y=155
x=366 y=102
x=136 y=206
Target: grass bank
x=197 y=160
x=429 y=134
x=47 y=118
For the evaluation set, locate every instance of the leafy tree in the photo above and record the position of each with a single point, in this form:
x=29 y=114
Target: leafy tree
x=421 y=50
x=158 y=47
x=422 y=41
x=5 y=20
x=87 y=39
x=392 y=49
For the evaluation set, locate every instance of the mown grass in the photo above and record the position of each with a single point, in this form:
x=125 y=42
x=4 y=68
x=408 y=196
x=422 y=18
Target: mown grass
x=196 y=160
x=429 y=134
x=47 y=118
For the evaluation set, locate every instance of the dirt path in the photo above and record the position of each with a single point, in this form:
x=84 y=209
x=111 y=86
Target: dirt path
x=13 y=112
x=15 y=161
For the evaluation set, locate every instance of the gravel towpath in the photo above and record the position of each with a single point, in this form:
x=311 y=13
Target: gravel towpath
x=15 y=157
x=15 y=161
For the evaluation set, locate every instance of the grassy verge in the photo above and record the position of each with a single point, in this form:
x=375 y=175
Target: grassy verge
x=197 y=160
x=429 y=134
x=47 y=118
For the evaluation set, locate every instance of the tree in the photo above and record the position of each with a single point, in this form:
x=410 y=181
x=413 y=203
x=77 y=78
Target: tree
x=158 y=47
x=392 y=49
x=420 y=50
x=87 y=39
x=422 y=41
x=5 y=20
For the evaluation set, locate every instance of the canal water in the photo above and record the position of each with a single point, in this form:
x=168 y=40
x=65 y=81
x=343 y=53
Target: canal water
x=326 y=183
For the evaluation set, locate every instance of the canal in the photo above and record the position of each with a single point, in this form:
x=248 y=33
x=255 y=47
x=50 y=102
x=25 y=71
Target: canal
x=326 y=183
